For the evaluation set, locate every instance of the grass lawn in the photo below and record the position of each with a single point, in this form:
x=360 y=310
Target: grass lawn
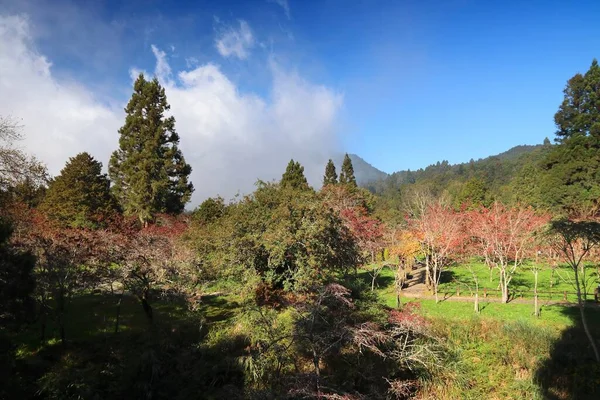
x=92 y=316
x=556 y=315
x=551 y=283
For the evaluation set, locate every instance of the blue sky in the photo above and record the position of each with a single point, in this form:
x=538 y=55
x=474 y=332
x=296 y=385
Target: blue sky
x=403 y=83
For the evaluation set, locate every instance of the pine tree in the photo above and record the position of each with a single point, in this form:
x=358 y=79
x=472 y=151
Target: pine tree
x=293 y=177
x=570 y=180
x=347 y=174
x=148 y=170
x=330 y=177
x=579 y=113
x=80 y=196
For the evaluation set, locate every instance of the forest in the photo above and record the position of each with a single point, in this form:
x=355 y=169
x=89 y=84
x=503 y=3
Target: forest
x=454 y=281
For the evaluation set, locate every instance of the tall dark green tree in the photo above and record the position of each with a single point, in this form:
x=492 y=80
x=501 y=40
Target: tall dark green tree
x=571 y=171
x=330 y=177
x=579 y=113
x=148 y=171
x=80 y=196
x=347 y=174
x=293 y=177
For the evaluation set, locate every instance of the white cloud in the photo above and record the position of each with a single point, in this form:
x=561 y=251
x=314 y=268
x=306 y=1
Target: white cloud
x=284 y=4
x=60 y=119
x=235 y=42
x=230 y=138
x=163 y=70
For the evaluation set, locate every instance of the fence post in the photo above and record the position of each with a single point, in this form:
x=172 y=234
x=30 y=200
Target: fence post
x=484 y=292
x=565 y=295
x=457 y=291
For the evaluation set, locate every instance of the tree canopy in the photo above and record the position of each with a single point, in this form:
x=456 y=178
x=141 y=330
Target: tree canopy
x=347 y=174
x=293 y=177
x=148 y=171
x=80 y=196
x=330 y=177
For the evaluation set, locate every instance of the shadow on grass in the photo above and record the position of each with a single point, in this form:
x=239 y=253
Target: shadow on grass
x=383 y=280
x=170 y=359
x=571 y=371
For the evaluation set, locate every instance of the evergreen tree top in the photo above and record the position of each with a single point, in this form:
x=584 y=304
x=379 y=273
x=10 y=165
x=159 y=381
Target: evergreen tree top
x=80 y=195
x=149 y=171
x=330 y=177
x=293 y=177
x=347 y=174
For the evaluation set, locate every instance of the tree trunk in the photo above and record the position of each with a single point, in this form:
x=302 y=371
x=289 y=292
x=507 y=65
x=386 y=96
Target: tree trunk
x=43 y=325
x=476 y=295
x=147 y=307
x=118 y=317
x=427 y=273
x=535 y=295
x=583 y=319
x=435 y=281
x=317 y=372
x=60 y=306
x=504 y=286
x=374 y=279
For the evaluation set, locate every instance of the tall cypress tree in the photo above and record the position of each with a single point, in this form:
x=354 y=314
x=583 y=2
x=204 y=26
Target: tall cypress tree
x=330 y=177
x=80 y=196
x=148 y=170
x=293 y=177
x=347 y=174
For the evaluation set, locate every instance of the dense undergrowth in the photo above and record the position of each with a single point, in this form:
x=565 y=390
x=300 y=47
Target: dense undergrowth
x=230 y=348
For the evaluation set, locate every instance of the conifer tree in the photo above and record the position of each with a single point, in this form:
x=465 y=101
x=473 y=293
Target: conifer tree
x=347 y=174
x=293 y=177
x=80 y=196
x=330 y=177
x=148 y=170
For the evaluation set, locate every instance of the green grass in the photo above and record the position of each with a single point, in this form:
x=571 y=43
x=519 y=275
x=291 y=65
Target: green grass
x=92 y=316
x=551 y=284
x=556 y=315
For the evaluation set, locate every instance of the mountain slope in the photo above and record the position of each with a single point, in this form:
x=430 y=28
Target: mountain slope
x=363 y=171
x=494 y=171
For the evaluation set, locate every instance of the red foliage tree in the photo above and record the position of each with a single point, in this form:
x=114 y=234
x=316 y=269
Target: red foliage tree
x=441 y=233
x=504 y=237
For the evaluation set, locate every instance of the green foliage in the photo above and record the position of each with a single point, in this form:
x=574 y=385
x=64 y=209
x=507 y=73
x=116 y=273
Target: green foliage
x=330 y=177
x=347 y=173
x=80 y=196
x=570 y=175
x=473 y=194
x=16 y=280
x=283 y=235
x=148 y=170
x=579 y=113
x=29 y=192
x=210 y=210
x=293 y=177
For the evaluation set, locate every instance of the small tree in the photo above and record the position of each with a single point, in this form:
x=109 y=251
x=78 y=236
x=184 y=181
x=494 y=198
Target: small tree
x=293 y=177
x=406 y=247
x=574 y=240
x=80 y=196
x=347 y=174
x=440 y=231
x=505 y=236
x=210 y=210
x=330 y=177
